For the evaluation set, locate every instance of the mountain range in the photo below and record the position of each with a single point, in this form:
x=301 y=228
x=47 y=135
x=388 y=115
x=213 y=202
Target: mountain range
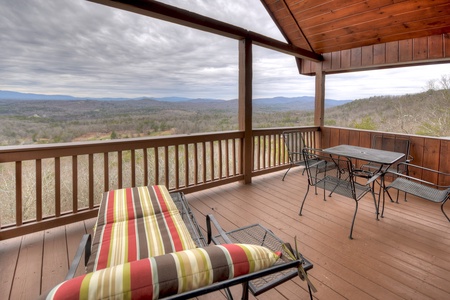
x=274 y=103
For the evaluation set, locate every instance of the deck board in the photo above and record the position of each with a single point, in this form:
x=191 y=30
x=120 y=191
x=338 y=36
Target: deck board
x=27 y=278
x=9 y=253
x=55 y=257
x=405 y=255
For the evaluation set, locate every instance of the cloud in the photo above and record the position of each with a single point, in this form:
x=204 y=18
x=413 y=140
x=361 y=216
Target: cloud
x=398 y=81
x=80 y=48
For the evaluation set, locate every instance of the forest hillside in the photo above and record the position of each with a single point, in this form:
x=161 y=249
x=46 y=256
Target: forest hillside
x=54 y=121
x=426 y=113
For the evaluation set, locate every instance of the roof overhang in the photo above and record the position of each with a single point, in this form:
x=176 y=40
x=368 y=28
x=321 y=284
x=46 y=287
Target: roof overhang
x=365 y=34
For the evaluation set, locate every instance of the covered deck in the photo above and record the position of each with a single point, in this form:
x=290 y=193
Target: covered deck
x=406 y=255
x=54 y=189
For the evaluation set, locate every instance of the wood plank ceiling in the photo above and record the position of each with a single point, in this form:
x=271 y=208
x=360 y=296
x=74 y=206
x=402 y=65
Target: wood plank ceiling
x=330 y=26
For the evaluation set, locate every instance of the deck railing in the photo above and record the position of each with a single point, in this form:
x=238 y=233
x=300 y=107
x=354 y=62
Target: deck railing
x=43 y=186
x=269 y=151
x=429 y=152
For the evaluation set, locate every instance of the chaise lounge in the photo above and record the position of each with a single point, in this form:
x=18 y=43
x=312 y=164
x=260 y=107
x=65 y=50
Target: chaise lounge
x=147 y=244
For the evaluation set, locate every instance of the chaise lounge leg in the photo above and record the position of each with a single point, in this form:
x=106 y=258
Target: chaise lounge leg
x=245 y=291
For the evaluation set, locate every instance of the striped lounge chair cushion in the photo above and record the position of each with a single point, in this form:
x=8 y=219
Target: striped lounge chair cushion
x=169 y=274
x=136 y=223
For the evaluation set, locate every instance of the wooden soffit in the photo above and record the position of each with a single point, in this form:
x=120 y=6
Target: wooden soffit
x=365 y=34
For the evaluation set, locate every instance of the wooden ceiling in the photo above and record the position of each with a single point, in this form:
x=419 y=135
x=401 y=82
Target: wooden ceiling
x=325 y=26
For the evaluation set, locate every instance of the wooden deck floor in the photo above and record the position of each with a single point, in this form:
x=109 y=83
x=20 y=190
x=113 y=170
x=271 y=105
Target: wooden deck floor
x=406 y=255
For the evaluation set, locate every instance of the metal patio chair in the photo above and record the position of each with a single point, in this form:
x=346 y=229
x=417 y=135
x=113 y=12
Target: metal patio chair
x=437 y=193
x=336 y=174
x=388 y=143
x=294 y=142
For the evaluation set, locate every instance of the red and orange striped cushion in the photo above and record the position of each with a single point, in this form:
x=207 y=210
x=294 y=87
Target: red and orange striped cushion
x=136 y=223
x=169 y=274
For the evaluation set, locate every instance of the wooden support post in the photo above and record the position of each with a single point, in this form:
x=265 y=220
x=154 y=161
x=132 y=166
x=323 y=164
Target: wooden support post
x=245 y=104
x=319 y=110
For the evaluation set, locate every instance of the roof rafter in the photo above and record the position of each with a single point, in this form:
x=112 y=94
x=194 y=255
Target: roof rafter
x=183 y=17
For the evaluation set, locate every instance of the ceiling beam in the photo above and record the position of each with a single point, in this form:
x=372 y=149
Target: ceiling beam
x=187 y=18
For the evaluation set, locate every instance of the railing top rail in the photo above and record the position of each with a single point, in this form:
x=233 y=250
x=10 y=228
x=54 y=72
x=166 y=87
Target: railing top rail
x=282 y=129
x=29 y=152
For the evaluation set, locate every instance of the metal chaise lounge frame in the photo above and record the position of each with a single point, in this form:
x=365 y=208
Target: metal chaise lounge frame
x=91 y=253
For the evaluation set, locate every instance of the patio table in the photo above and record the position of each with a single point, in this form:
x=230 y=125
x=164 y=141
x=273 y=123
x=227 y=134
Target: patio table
x=384 y=158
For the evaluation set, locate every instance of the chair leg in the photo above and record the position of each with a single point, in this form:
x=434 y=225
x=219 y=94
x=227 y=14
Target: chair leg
x=382 y=211
x=377 y=205
x=353 y=222
x=303 y=202
x=442 y=209
x=290 y=166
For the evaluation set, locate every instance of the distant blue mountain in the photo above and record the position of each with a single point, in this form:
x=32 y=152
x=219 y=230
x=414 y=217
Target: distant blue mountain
x=183 y=99
x=275 y=103
x=7 y=95
x=295 y=103
x=173 y=99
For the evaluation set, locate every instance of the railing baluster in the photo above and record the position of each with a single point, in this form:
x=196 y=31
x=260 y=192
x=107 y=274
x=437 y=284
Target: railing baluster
x=276 y=154
x=57 y=186
x=156 y=165
x=177 y=167
x=227 y=158
x=106 y=171
x=261 y=152
x=233 y=157
x=256 y=152
x=211 y=146
x=204 y=161
x=220 y=159
x=186 y=163
x=91 y=181
x=265 y=151
x=240 y=154
x=133 y=167
x=38 y=189
x=145 y=161
x=166 y=165
x=75 y=183
x=119 y=169
x=196 y=162
x=19 y=177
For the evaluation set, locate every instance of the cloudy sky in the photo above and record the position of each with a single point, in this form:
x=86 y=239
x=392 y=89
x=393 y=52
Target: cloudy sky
x=79 y=48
